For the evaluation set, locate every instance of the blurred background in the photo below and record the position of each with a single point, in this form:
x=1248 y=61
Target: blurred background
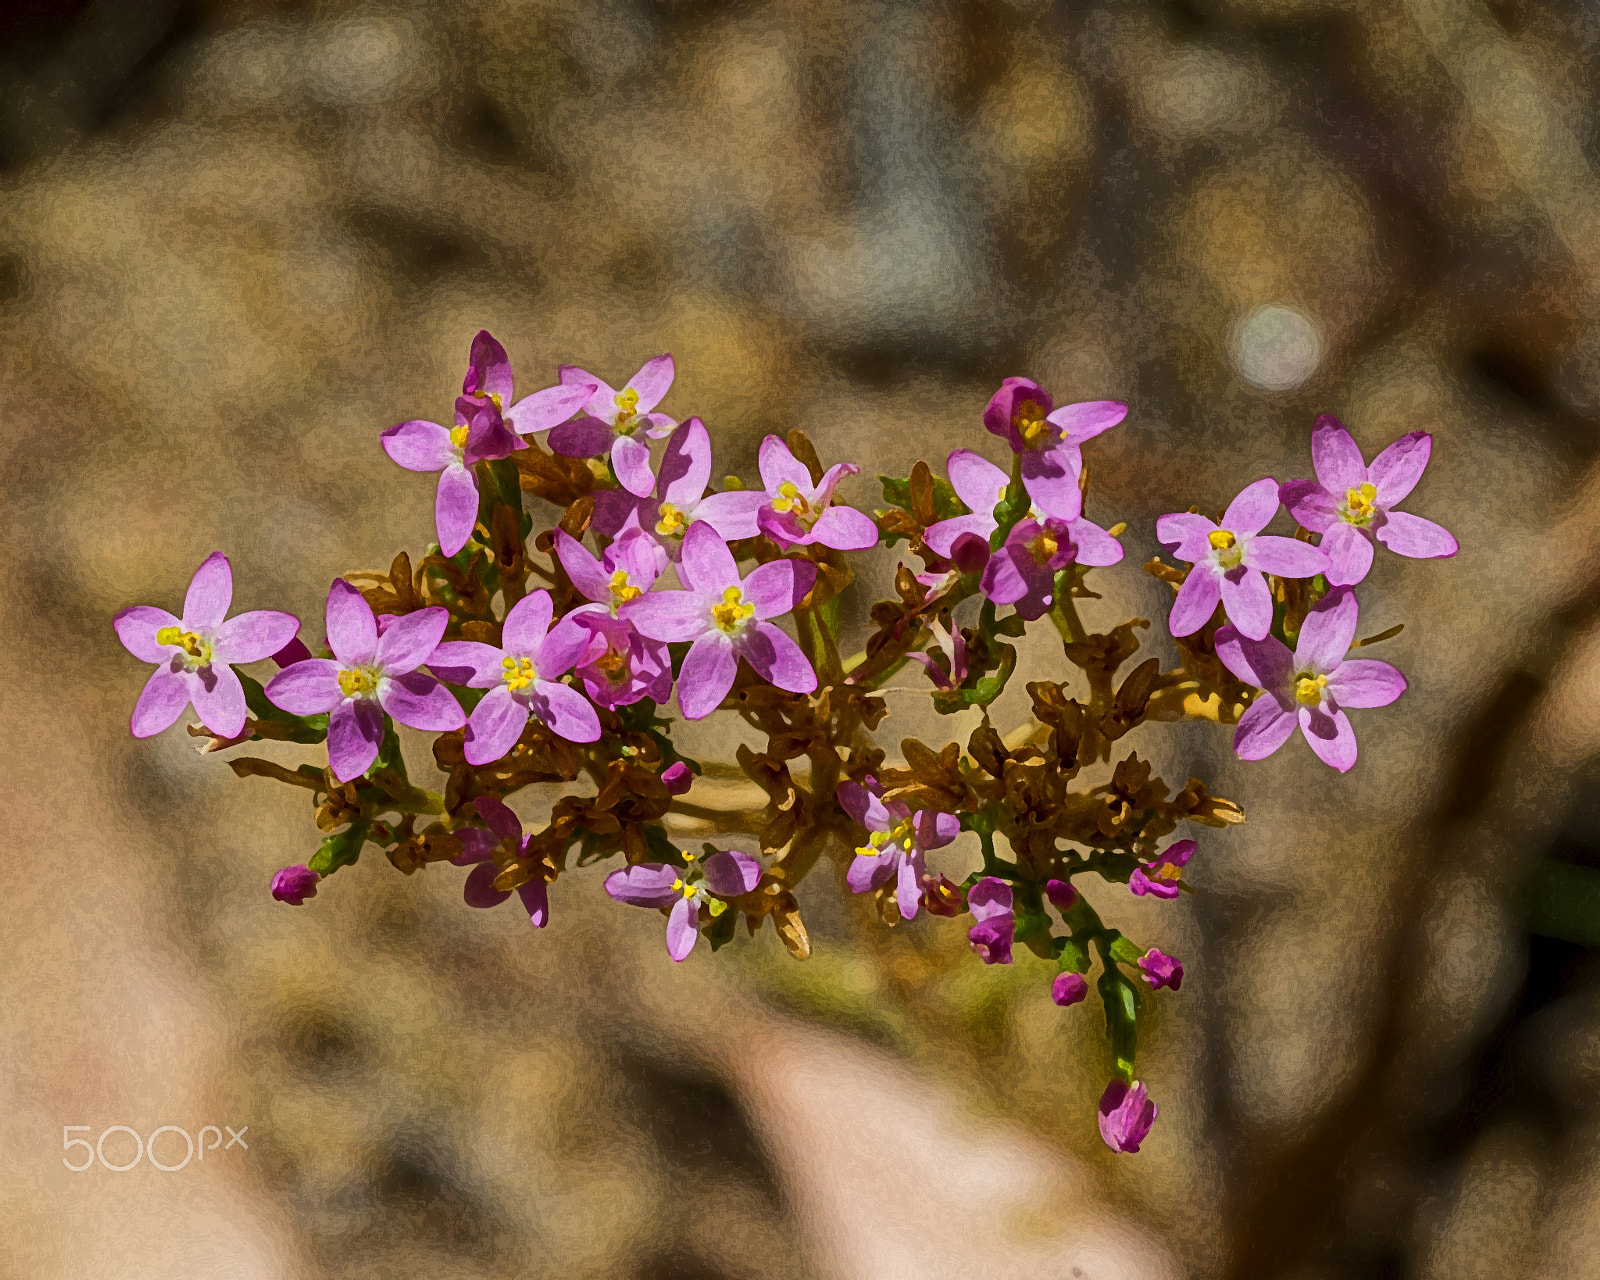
x=237 y=240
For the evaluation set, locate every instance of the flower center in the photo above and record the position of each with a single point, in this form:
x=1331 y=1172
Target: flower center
x=458 y=436
x=900 y=834
x=1227 y=547
x=196 y=652
x=614 y=662
x=621 y=589
x=481 y=394
x=358 y=682
x=1359 y=504
x=672 y=521
x=1044 y=547
x=790 y=499
x=627 y=412
x=733 y=612
x=519 y=672
x=1029 y=420
x=1308 y=689
x=1169 y=872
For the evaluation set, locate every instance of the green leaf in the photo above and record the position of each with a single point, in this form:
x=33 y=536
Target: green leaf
x=340 y=849
x=982 y=692
x=661 y=848
x=946 y=505
x=720 y=932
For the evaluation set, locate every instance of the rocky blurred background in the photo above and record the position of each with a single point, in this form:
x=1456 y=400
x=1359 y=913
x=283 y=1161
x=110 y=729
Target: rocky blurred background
x=239 y=239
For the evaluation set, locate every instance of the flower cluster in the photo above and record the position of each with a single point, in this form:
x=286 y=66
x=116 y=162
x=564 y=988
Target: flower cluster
x=551 y=658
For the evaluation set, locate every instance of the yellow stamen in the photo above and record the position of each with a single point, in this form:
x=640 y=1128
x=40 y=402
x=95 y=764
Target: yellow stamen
x=1308 y=689
x=677 y=884
x=731 y=614
x=519 y=672
x=481 y=394
x=1045 y=547
x=627 y=412
x=458 y=436
x=1029 y=420
x=866 y=851
x=1359 y=504
x=195 y=649
x=621 y=590
x=686 y=889
x=791 y=499
x=1221 y=540
x=1168 y=871
x=615 y=664
x=672 y=521
x=360 y=682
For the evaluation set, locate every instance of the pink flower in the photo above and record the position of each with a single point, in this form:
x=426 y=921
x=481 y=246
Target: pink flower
x=1049 y=440
x=990 y=903
x=1161 y=970
x=194 y=656
x=503 y=828
x=1350 y=504
x=620 y=666
x=656 y=884
x=611 y=418
x=981 y=485
x=1229 y=561
x=1069 y=988
x=368 y=675
x=1126 y=1114
x=488 y=381
x=1023 y=572
x=897 y=839
x=796 y=513
x=677 y=778
x=294 y=885
x=625 y=571
x=1310 y=687
x=480 y=435
x=522 y=679
x=726 y=617
x=666 y=506
x=1161 y=876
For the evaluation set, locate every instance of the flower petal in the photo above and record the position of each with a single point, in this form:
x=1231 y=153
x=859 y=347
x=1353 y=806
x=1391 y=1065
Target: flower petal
x=686 y=465
x=604 y=396
x=630 y=459
x=1267 y=664
x=498 y=817
x=583 y=437
x=420 y=702
x=355 y=733
x=1051 y=479
x=683 y=928
x=1327 y=632
x=989 y=898
x=651 y=382
x=1187 y=534
x=1264 y=727
x=548 y=408
x=1286 y=557
x=535 y=897
x=218 y=699
x=527 y=625
x=844 y=529
x=908 y=887
x=455 y=507
x=419 y=445
x=1002 y=408
x=941 y=537
x=479 y=890
x=707 y=566
x=161 y=702
x=136 y=627
x=1310 y=504
x=1197 y=600
x=730 y=873
x=564 y=646
x=565 y=711
x=351 y=628
x=776 y=587
x=1349 y=552
x=1395 y=471
x=935 y=830
x=410 y=640
x=1365 y=682
x=1336 y=457
x=494 y=726
x=778 y=465
x=210 y=593
x=867 y=873
x=775 y=658
x=1088 y=418
x=649 y=884
x=977 y=481
x=307 y=688
x=583 y=568
x=489 y=368
x=467 y=662
x=732 y=514
x=1329 y=736
x=1093 y=546
x=670 y=615
x=249 y=637
x=1409 y=535
x=707 y=674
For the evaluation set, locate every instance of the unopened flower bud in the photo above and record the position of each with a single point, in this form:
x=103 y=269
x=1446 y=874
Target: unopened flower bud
x=677 y=778
x=1069 y=988
x=1161 y=970
x=942 y=896
x=1126 y=1114
x=1063 y=897
x=294 y=885
x=970 y=553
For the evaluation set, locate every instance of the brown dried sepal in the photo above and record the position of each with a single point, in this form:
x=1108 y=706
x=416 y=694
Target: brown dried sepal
x=393 y=592
x=433 y=844
x=559 y=480
x=341 y=807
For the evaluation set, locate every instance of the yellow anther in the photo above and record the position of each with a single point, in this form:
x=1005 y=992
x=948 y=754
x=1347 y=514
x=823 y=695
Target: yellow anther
x=717 y=906
x=686 y=889
x=791 y=499
x=358 y=683
x=615 y=664
x=731 y=614
x=1221 y=540
x=677 y=884
x=484 y=394
x=1168 y=871
x=1029 y=420
x=1045 y=547
x=195 y=649
x=458 y=436
x=519 y=672
x=627 y=411
x=672 y=521
x=867 y=850
x=1359 y=503
x=621 y=589
x=1308 y=689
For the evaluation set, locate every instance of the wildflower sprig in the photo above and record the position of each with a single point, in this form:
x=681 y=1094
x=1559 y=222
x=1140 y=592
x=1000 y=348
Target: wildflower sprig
x=551 y=658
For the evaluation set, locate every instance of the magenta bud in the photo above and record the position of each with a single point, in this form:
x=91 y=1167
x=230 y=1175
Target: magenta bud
x=1069 y=988
x=294 y=885
x=1126 y=1114
x=970 y=553
x=1161 y=970
x=1063 y=897
x=291 y=653
x=677 y=778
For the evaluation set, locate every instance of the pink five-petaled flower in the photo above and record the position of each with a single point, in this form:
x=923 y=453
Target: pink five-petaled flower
x=657 y=884
x=368 y=675
x=897 y=839
x=1049 y=440
x=666 y=506
x=1350 y=503
x=501 y=827
x=1310 y=687
x=194 y=655
x=1161 y=970
x=726 y=618
x=1126 y=1114
x=610 y=418
x=990 y=903
x=620 y=666
x=523 y=678
x=981 y=485
x=797 y=513
x=489 y=381
x=1229 y=560
x=1053 y=535
x=1161 y=876
x=480 y=435
x=294 y=885
x=1069 y=988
